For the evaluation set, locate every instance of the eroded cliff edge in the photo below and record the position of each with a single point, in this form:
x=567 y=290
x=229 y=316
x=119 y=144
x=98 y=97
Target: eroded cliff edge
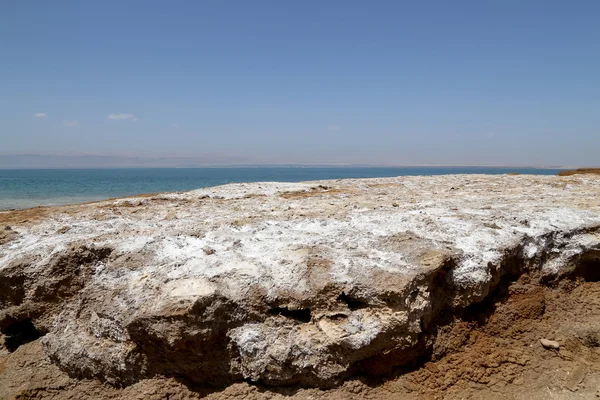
x=281 y=283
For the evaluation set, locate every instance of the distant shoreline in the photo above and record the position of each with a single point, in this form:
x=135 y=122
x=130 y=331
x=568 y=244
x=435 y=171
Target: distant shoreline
x=99 y=161
x=294 y=166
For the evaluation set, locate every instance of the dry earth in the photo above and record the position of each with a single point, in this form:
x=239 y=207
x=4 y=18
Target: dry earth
x=579 y=171
x=409 y=287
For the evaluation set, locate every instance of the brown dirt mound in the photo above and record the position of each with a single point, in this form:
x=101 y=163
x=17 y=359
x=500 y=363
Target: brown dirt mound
x=491 y=351
x=24 y=216
x=315 y=191
x=592 y=171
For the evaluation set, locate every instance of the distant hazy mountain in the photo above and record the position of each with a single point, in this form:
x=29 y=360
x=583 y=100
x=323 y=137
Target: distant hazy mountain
x=99 y=161
x=30 y=161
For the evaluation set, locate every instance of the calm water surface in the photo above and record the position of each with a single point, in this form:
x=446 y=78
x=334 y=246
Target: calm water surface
x=21 y=188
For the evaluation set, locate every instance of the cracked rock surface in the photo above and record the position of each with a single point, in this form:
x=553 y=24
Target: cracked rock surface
x=280 y=283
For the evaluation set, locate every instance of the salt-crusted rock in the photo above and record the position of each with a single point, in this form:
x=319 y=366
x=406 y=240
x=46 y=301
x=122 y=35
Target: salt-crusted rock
x=283 y=282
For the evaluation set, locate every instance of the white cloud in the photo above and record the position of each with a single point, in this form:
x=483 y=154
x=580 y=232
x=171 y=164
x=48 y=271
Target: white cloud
x=71 y=123
x=128 y=117
x=333 y=128
x=40 y=115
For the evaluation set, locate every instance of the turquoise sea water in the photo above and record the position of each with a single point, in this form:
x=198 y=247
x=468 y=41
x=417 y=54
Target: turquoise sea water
x=22 y=188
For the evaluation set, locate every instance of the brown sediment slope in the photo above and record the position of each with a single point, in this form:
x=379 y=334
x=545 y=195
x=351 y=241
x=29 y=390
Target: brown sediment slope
x=423 y=287
x=592 y=171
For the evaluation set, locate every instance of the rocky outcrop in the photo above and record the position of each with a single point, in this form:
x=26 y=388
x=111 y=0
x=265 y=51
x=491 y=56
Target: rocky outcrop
x=298 y=283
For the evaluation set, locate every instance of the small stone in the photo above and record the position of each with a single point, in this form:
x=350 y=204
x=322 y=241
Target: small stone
x=518 y=380
x=208 y=250
x=492 y=225
x=550 y=344
x=395 y=205
x=576 y=378
x=64 y=229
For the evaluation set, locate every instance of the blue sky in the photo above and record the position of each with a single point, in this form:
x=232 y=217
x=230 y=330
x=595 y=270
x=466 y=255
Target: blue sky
x=381 y=82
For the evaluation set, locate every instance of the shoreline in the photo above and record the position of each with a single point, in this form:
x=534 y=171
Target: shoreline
x=28 y=188
x=561 y=173
x=291 y=166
